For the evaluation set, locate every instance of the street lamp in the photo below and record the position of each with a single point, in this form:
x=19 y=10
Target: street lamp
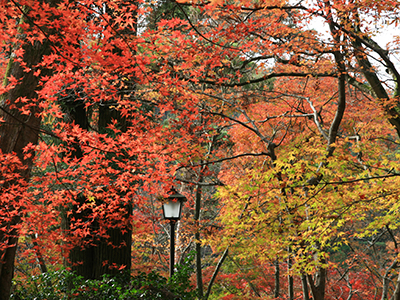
x=172 y=209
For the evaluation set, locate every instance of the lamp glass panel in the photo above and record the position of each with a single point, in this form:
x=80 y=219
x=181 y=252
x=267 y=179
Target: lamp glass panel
x=172 y=210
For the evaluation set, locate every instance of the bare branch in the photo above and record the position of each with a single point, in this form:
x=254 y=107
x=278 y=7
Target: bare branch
x=266 y=77
x=316 y=121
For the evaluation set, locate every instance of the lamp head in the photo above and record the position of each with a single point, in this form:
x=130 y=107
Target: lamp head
x=172 y=206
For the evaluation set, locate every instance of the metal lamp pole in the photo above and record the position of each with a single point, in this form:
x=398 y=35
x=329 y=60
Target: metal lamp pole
x=172 y=248
x=172 y=208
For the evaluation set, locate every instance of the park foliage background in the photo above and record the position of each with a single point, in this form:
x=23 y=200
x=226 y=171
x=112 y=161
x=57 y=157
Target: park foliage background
x=283 y=137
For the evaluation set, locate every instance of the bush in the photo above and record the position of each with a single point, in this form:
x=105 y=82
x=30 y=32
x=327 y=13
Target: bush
x=66 y=285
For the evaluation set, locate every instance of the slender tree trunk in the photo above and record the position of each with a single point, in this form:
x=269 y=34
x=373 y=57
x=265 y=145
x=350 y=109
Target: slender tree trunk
x=290 y=279
x=39 y=256
x=375 y=84
x=396 y=293
x=277 y=274
x=199 y=277
x=214 y=276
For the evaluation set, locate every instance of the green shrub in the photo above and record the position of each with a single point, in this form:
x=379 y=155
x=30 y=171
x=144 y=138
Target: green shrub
x=66 y=285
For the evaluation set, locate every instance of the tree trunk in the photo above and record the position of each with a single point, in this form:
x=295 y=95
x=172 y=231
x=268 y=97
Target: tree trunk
x=214 y=276
x=99 y=255
x=318 y=287
x=103 y=255
x=396 y=293
x=290 y=279
x=304 y=287
x=16 y=132
x=199 y=277
x=277 y=277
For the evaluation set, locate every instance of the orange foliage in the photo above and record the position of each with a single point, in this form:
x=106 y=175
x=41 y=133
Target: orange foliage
x=240 y=94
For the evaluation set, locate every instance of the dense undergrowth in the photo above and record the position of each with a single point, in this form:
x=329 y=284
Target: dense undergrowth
x=63 y=284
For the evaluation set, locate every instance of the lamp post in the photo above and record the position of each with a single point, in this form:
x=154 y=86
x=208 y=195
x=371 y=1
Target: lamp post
x=172 y=209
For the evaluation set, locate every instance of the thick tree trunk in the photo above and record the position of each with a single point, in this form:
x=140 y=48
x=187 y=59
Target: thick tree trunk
x=304 y=287
x=116 y=249
x=103 y=255
x=99 y=255
x=318 y=287
x=16 y=132
x=109 y=253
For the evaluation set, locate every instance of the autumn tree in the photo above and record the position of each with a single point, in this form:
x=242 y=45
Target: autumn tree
x=20 y=116
x=241 y=34
x=94 y=66
x=296 y=127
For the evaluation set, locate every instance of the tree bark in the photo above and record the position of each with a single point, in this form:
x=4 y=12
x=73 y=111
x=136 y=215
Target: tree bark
x=103 y=255
x=318 y=287
x=290 y=279
x=97 y=255
x=277 y=277
x=16 y=132
x=396 y=293
x=214 y=276
x=304 y=287
x=199 y=277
